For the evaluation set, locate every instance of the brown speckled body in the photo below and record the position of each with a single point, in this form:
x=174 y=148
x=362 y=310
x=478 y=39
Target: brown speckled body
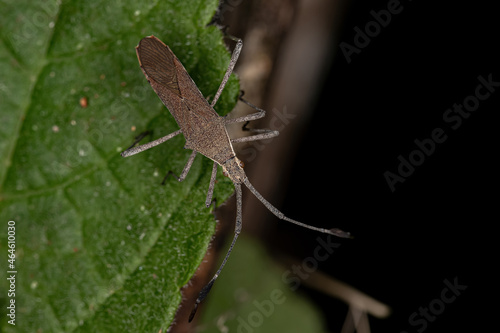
x=204 y=130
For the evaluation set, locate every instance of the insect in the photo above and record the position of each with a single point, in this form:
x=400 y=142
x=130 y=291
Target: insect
x=204 y=131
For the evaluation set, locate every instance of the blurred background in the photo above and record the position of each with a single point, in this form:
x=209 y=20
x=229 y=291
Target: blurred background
x=351 y=85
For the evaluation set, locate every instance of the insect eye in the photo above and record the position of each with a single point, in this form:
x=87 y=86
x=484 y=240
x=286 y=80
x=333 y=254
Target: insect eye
x=242 y=164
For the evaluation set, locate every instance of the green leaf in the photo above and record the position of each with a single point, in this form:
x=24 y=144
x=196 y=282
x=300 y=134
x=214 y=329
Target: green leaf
x=101 y=246
x=252 y=296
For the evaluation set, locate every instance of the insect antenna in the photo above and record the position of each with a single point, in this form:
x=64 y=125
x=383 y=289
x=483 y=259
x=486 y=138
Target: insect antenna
x=335 y=231
x=237 y=229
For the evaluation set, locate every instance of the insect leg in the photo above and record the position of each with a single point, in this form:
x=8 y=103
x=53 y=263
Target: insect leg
x=232 y=63
x=139 y=138
x=135 y=150
x=253 y=116
x=237 y=229
x=265 y=133
x=280 y=215
x=184 y=171
x=211 y=186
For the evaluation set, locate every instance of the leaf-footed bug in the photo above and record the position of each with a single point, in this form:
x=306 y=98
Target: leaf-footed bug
x=204 y=130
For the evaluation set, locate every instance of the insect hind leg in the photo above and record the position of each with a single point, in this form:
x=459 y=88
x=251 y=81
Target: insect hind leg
x=234 y=58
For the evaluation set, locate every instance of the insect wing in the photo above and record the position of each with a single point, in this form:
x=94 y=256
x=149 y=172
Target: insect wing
x=173 y=85
x=158 y=63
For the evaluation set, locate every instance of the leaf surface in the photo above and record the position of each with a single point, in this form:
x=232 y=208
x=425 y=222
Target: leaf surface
x=255 y=295
x=101 y=246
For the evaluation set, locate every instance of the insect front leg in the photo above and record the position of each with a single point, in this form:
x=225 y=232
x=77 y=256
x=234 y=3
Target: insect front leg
x=211 y=186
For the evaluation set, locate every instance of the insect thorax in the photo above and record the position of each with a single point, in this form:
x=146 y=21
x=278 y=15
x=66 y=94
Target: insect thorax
x=211 y=141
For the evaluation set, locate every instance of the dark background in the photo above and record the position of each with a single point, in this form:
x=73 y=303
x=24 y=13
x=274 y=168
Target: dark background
x=439 y=224
x=327 y=166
